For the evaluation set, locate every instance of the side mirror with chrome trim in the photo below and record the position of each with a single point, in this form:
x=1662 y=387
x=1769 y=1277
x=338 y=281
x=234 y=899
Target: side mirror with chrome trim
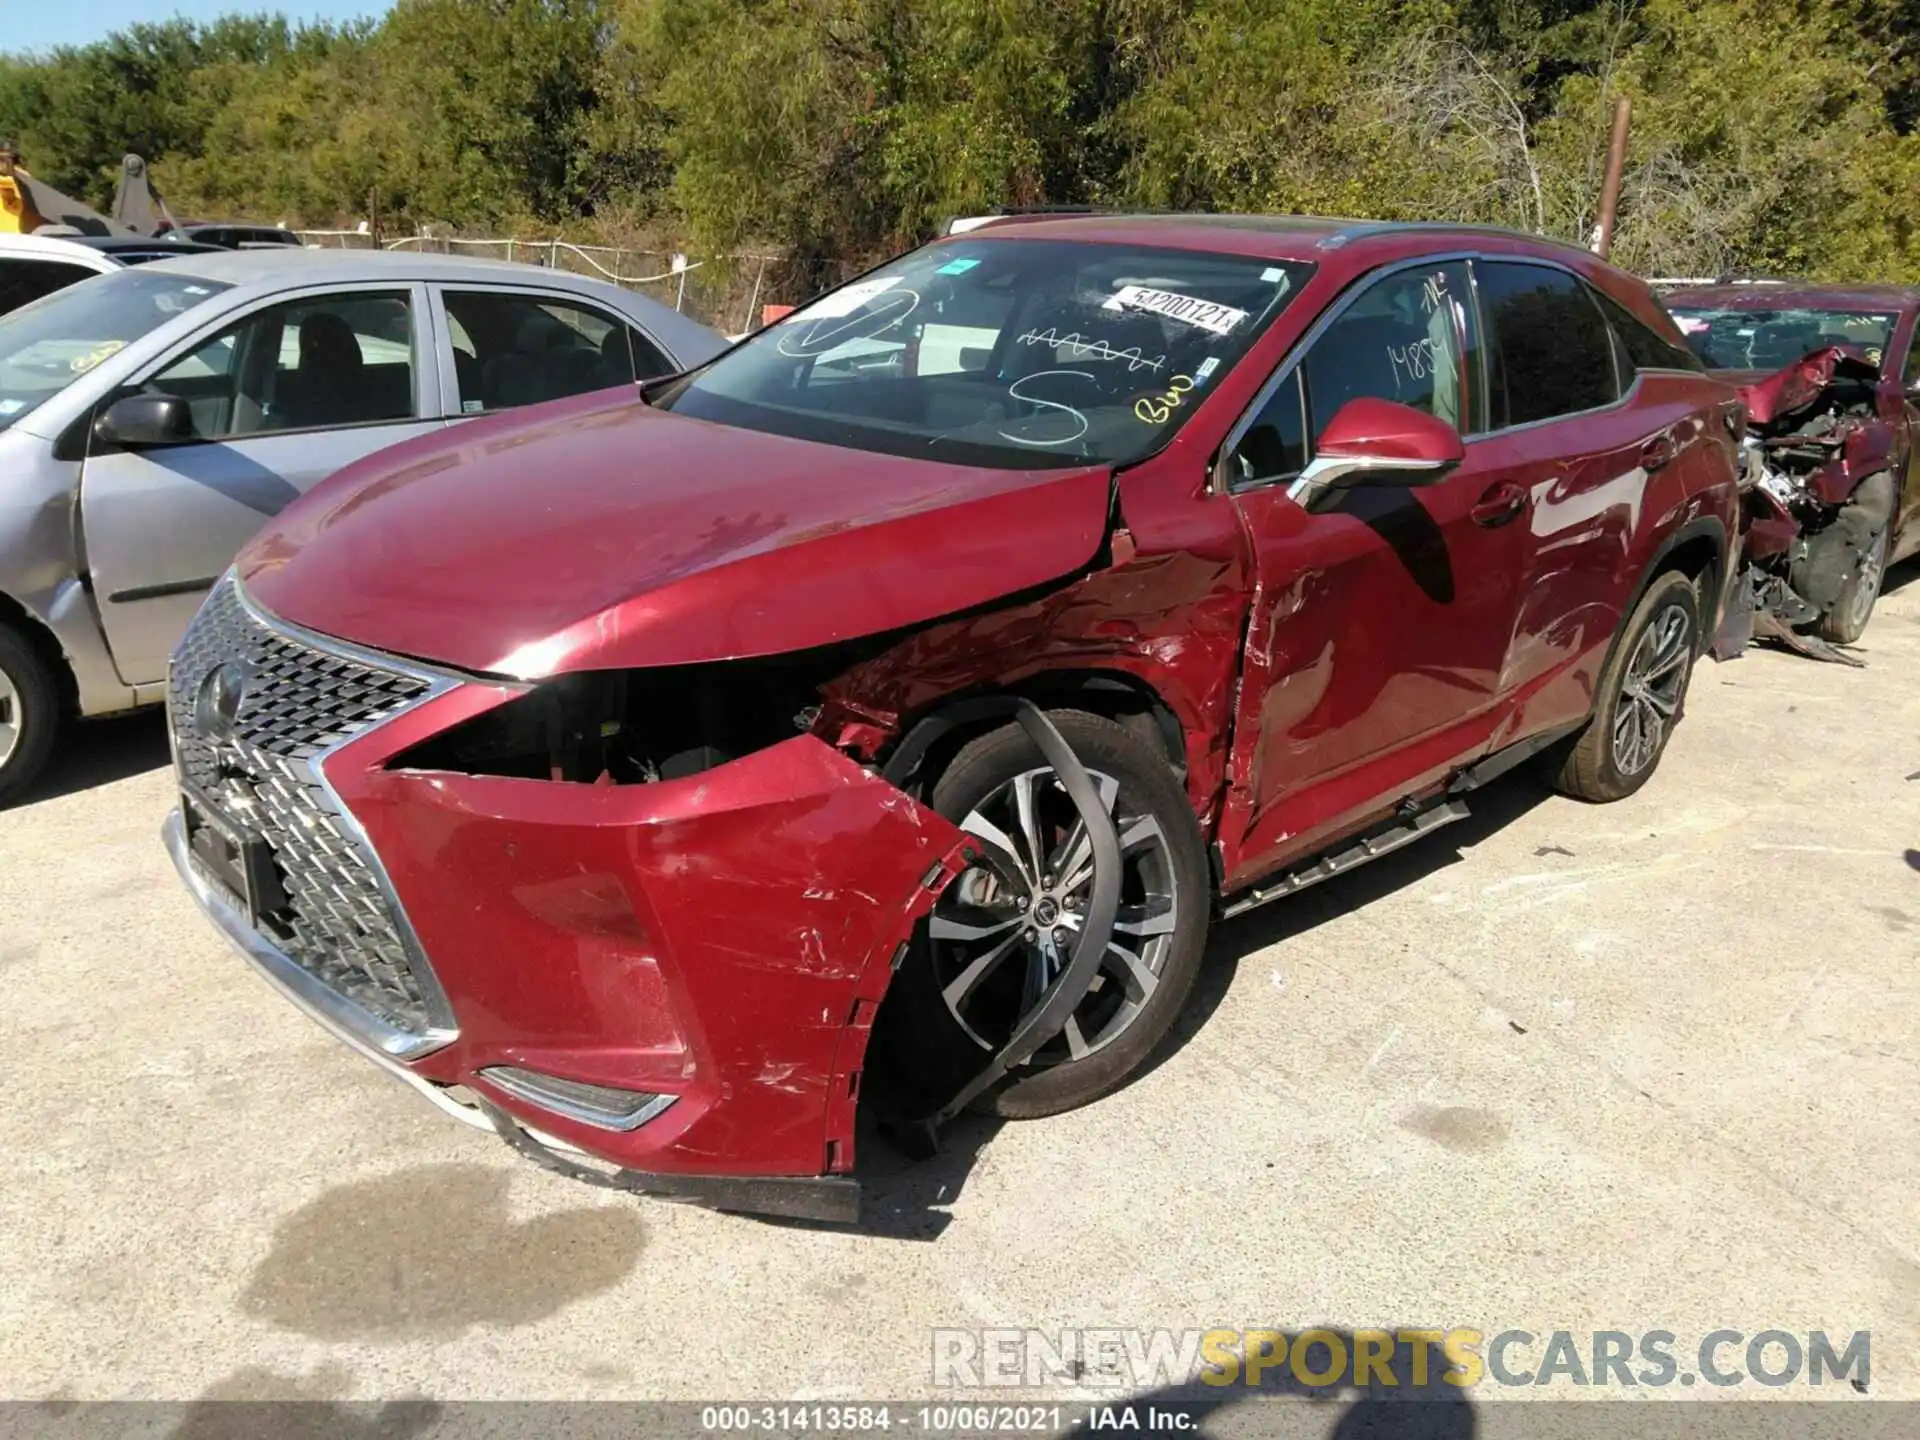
x=1370 y=441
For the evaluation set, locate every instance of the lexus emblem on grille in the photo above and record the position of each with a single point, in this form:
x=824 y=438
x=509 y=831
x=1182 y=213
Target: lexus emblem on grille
x=217 y=704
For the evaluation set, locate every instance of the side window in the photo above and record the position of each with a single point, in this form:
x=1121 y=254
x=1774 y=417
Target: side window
x=1275 y=445
x=22 y=281
x=331 y=360
x=1646 y=348
x=1408 y=338
x=1550 y=350
x=649 y=360
x=1911 y=378
x=520 y=349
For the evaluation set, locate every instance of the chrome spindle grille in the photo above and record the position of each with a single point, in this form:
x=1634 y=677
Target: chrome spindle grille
x=296 y=700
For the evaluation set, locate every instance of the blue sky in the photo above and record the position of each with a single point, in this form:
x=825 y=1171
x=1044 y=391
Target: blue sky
x=43 y=24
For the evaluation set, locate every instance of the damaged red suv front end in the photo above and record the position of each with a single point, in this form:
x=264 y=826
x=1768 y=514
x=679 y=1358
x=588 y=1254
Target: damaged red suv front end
x=966 y=642
x=536 y=760
x=671 y=965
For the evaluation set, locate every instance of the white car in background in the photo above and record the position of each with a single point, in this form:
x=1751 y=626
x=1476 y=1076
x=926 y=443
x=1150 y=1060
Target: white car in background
x=152 y=418
x=39 y=264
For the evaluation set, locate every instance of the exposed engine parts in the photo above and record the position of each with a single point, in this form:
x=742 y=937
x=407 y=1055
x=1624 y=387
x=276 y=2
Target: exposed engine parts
x=1819 y=498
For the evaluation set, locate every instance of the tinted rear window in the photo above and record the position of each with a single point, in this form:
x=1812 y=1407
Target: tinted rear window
x=1550 y=350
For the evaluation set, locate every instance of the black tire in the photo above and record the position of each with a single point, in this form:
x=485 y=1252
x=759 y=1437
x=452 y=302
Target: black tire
x=1621 y=747
x=922 y=1045
x=29 y=714
x=1846 y=620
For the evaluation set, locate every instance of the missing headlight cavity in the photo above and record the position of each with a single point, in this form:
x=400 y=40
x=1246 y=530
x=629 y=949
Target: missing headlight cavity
x=633 y=727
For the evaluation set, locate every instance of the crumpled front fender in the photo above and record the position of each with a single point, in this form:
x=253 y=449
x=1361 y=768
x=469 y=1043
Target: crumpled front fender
x=724 y=938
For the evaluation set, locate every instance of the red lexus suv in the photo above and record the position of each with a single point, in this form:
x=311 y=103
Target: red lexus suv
x=882 y=712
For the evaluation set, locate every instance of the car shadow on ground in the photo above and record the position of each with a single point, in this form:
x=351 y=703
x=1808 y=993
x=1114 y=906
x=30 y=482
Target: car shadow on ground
x=909 y=1199
x=99 y=752
x=1491 y=810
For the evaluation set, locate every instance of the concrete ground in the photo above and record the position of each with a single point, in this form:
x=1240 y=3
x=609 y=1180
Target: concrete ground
x=1650 y=1066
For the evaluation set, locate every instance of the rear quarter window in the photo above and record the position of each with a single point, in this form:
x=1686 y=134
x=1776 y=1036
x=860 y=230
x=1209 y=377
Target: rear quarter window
x=1646 y=348
x=1550 y=348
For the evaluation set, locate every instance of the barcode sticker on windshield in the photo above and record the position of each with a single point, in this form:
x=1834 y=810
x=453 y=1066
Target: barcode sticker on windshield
x=1219 y=319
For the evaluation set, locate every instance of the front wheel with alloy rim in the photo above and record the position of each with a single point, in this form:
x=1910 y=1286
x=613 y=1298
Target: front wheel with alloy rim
x=1006 y=927
x=1640 y=695
x=29 y=713
x=1846 y=622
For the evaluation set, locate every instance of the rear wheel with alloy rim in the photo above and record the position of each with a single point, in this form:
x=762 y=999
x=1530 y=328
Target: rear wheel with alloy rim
x=1006 y=927
x=29 y=713
x=1640 y=695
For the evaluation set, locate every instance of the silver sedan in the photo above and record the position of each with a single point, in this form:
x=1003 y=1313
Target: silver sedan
x=152 y=419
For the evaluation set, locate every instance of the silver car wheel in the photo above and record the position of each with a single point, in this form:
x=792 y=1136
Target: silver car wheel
x=1873 y=569
x=1651 y=690
x=1006 y=928
x=9 y=717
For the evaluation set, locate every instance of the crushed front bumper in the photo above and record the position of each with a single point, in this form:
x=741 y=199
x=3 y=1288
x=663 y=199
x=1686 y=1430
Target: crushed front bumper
x=717 y=946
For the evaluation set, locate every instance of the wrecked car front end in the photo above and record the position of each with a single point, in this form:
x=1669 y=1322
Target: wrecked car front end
x=674 y=979
x=1818 y=499
x=578 y=765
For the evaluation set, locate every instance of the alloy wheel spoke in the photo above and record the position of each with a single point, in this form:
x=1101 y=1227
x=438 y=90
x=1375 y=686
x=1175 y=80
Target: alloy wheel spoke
x=1662 y=705
x=1027 y=813
x=1626 y=745
x=1077 y=1046
x=1134 y=833
x=1133 y=973
x=1043 y=963
x=968 y=980
x=996 y=839
x=1666 y=666
x=943 y=927
x=1652 y=727
x=9 y=716
x=1075 y=854
x=1155 y=917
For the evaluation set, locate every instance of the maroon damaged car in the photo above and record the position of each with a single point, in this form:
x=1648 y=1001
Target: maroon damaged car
x=1831 y=380
x=882 y=713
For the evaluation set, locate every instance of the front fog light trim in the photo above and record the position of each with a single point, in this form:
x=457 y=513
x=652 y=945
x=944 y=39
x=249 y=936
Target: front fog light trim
x=601 y=1106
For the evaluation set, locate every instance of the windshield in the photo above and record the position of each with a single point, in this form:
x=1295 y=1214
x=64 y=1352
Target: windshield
x=1008 y=353
x=1770 y=339
x=46 y=346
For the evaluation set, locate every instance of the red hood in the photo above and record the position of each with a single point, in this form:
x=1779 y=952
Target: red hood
x=600 y=533
x=1793 y=387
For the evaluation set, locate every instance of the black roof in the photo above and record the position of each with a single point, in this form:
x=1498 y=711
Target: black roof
x=146 y=246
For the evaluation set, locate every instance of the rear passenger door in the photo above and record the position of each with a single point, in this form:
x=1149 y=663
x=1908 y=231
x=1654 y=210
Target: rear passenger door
x=506 y=348
x=1568 y=411
x=281 y=397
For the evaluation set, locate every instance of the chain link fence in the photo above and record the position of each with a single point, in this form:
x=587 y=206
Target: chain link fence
x=725 y=291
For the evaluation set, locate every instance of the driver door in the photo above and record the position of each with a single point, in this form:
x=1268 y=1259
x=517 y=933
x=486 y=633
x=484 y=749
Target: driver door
x=1381 y=625
x=280 y=399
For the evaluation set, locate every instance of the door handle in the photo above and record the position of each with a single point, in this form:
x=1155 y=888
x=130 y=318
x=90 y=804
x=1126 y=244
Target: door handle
x=1656 y=452
x=1500 y=504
